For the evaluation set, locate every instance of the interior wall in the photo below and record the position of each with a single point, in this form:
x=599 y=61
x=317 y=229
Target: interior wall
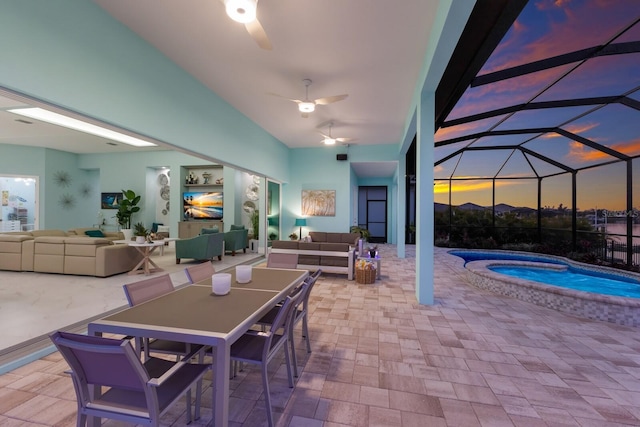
x=81 y=59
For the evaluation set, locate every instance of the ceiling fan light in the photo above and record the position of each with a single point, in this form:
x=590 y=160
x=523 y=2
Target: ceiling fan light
x=242 y=11
x=306 y=107
x=329 y=141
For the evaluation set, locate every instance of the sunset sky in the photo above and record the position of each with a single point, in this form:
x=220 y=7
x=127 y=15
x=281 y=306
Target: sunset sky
x=545 y=29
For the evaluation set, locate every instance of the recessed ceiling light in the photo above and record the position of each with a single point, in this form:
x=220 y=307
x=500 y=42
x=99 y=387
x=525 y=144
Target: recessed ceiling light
x=79 y=125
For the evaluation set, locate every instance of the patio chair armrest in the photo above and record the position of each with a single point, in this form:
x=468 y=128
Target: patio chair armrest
x=156 y=382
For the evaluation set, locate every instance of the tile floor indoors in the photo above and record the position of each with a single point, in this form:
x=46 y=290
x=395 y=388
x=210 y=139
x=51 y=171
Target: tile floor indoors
x=380 y=359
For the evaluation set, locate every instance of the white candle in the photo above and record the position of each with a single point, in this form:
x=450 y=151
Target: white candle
x=243 y=273
x=221 y=283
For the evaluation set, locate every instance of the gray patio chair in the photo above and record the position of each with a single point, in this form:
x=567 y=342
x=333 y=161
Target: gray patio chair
x=300 y=313
x=143 y=291
x=259 y=348
x=111 y=382
x=280 y=260
x=198 y=272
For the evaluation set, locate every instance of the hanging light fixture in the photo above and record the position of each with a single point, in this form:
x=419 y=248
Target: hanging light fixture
x=328 y=139
x=306 y=107
x=242 y=11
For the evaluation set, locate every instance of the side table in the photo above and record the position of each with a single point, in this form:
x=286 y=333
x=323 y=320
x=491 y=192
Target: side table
x=146 y=249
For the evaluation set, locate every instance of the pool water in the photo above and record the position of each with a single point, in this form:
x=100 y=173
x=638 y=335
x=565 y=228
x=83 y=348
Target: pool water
x=573 y=278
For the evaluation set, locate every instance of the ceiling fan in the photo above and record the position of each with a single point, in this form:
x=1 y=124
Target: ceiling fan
x=330 y=140
x=244 y=11
x=307 y=106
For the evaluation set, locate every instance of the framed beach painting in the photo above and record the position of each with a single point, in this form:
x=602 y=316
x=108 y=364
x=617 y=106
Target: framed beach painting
x=318 y=202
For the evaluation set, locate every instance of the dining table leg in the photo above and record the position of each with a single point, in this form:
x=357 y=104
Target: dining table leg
x=221 y=368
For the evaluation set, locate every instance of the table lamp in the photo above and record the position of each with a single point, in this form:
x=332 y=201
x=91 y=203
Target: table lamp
x=301 y=222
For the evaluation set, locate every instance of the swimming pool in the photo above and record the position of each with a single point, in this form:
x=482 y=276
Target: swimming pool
x=622 y=310
x=574 y=278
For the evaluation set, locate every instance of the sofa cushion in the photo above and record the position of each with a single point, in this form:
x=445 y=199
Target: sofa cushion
x=94 y=233
x=350 y=238
x=284 y=244
x=236 y=227
x=40 y=233
x=336 y=247
x=318 y=236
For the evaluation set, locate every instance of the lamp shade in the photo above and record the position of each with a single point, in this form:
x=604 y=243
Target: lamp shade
x=301 y=222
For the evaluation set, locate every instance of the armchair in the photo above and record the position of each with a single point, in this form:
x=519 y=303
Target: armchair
x=203 y=247
x=236 y=239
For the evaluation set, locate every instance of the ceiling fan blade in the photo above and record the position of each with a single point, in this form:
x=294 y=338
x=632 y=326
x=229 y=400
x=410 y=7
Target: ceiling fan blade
x=346 y=139
x=297 y=101
x=330 y=99
x=258 y=34
x=324 y=135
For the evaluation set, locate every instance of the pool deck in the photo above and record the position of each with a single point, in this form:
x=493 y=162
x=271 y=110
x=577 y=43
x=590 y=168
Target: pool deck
x=474 y=358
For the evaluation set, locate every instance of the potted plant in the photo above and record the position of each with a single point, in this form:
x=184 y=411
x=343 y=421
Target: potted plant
x=141 y=232
x=255 y=223
x=363 y=232
x=126 y=208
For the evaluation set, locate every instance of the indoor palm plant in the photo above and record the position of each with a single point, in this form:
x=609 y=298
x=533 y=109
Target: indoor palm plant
x=126 y=209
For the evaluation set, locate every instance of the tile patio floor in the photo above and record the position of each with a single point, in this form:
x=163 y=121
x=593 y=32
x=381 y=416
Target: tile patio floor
x=381 y=359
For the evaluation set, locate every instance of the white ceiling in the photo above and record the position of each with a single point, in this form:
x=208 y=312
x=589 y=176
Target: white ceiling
x=371 y=50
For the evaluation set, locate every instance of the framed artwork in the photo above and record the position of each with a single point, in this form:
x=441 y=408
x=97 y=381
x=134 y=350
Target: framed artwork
x=318 y=202
x=110 y=200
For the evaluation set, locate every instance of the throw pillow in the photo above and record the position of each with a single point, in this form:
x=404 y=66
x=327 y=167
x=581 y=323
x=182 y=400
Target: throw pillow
x=94 y=233
x=236 y=227
x=211 y=230
x=163 y=229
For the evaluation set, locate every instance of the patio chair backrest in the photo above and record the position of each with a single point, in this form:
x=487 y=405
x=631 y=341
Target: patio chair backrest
x=100 y=361
x=145 y=290
x=198 y=272
x=282 y=260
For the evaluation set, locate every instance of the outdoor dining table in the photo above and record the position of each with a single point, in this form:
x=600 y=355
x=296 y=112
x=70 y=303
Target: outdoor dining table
x=194 y=314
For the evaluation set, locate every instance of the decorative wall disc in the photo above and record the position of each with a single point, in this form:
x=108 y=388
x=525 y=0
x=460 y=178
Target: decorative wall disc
x=163 y=179
x=252 y=192
x=167 y=206
x=164 y=192
x=164 y=211
x=256 y=179
x=249 y=207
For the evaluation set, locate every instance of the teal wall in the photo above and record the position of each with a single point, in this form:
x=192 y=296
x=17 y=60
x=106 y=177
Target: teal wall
x=73 y=54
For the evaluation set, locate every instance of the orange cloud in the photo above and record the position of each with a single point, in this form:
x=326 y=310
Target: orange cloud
x=582 y=153
x=576 y=129
x=467 y=186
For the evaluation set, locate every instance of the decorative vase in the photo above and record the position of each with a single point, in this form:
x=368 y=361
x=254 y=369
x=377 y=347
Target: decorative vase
x=141 y=239
x=372 y=253
x=128 y=233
